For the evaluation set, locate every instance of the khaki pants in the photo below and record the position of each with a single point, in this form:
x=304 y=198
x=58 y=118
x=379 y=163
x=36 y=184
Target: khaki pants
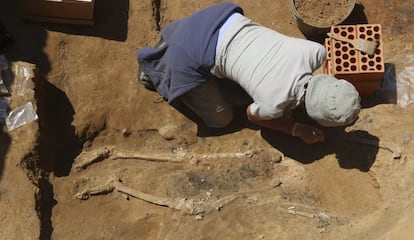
x=207 y=101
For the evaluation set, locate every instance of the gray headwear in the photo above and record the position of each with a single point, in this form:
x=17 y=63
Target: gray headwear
x=332 y=102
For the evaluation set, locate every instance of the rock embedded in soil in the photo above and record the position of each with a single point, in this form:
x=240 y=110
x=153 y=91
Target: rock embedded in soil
x=169 y=132
x=323 y=13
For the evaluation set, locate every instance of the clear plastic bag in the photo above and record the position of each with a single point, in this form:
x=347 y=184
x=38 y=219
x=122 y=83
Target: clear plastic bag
x=21 y=116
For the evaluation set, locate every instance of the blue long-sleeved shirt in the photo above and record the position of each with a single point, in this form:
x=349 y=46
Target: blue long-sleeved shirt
x=186 y=58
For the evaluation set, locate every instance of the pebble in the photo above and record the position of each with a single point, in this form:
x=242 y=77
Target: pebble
x=169 y=132
x=126 y=132
x=276 y=159
x=275 y=182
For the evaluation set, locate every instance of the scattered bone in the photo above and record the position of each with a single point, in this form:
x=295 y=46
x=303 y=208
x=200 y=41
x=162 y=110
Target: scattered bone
x=301 y=213
x=190 y=206
x=252 y=199
x=292 y=210
x=87 y=158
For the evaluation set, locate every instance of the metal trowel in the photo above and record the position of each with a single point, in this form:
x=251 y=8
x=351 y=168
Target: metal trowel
x=360 y=44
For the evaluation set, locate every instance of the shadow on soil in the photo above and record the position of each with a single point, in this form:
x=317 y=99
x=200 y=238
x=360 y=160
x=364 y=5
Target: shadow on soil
x=58 y=144
x=4 y=146
x=354 y=150
x=111 y=21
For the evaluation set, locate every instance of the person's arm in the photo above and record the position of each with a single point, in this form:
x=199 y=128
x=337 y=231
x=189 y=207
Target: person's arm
x=308 y=133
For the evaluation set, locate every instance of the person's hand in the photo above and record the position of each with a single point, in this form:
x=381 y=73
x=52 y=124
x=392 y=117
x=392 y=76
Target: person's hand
x=309 y=134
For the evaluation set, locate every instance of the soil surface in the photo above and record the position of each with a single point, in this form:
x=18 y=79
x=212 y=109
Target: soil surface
x=323 y=13
x=114 y=161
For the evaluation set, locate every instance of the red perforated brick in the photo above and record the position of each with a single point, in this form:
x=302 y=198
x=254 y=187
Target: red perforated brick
x=327 y=45
x=345 y=62
x=344 y=55
x=375 y=63
x=327 y=65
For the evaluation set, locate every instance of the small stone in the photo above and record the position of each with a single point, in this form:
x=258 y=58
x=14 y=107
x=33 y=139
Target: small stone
x=125 y=196
x=126 y=132
x=199 y=217
x=169 y=132
x=276 y=159
x=275 y=182
x=397 y=154
x=194 y=161
x=252 y=199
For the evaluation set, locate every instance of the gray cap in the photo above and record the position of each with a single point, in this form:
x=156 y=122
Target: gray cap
x=332 y=102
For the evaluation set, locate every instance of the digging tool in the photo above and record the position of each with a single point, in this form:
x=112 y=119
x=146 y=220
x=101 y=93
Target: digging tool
x=360 y=44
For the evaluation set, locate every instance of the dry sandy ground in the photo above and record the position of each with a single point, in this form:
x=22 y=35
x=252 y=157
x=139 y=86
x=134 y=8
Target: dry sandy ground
x=356 y=185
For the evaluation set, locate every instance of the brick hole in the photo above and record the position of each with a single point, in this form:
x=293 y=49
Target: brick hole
x=346 y=64
x=345 y=49
x=343 y=34
x=364 y=59
x=364 y=67
x=350 y=29
x=377 y=36
x=362 y=36
x=369 y=32
x=362 y=29
x=371 y=63
x=378 y=59
x=336 y=30
x=338 y=61
x=337 y=45
x=353 y=60
x=353 y=68
x=378 y=51
x=338 y=53
x=338 y=68
x=376 y=29
x=378 y=67
x=345 y=56
x=352 y=52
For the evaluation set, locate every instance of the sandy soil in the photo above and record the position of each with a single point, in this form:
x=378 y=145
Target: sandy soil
x=356 y=185
x=323 y=13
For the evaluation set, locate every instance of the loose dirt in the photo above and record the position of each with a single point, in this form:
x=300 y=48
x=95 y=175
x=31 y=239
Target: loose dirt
x=323 y=13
